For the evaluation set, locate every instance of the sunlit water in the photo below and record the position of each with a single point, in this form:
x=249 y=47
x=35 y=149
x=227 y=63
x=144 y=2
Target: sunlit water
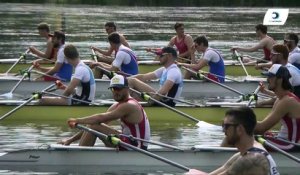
x=143 y=27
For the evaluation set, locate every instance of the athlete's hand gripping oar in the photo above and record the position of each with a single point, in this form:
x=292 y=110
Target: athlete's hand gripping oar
x=200 y=76
x=239 y=58
x=94 y=56
x=41 y=58
x=26 y=74
x=34 y=96
x=254 y=95
x=23 y=55
x=148 y=97
x=117 y=142
x=44 y=74
x=268 y=144
x=151 y=142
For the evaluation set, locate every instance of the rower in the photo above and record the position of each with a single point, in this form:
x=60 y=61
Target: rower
x=50 y=53
x=110 y=27
x=266 y=42
x=81 y=87
x=62 y=70
x=279 y=55
x=183 y=42
x=291 y=41
x=170 y=76
x=285 y=110
x=133 y=118
x=238 y=126
x=211 y=57
x=125 y=61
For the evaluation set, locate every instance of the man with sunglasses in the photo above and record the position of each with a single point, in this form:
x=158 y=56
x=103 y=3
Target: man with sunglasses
x=286 y=109
x=279 y=55
x=133 y=119
x=238 y=126
x=266 y=42
x=291 y=41
x=170 y=78
x=110 y=27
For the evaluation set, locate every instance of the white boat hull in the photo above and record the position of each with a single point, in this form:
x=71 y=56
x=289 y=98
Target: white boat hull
x=56 y=156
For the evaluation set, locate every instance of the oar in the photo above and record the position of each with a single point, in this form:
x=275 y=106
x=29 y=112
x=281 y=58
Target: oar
x=46 y=59
x=175 y=99
x=10 y=94
x=152 y=142
x=34 y=96
x=94 y=56
x=44 y=74
x=75 y=99
x=148 y=97
x=219 y=76
x=200 y=76
x=116 y=141
x=266 y=143
x=21 y=57
x=284 y=140
x=241 y=62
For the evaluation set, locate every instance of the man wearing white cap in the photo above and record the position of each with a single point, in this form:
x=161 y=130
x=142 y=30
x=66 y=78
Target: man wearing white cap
x=286 y=109
x=133 y=119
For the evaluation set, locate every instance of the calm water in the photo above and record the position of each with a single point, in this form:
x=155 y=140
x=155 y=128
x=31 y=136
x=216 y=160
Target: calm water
x=144 y=27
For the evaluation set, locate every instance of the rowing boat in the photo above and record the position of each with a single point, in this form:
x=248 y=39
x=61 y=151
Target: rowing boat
x=232 y=68
x=213 y=113
x=68 y=159
x=191 y=88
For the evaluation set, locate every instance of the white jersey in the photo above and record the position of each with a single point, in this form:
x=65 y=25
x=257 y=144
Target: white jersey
x=211 y=55
x=295 y=74
x=294 y=56
x=122 y=57
x=86 y=89
x=60 y=55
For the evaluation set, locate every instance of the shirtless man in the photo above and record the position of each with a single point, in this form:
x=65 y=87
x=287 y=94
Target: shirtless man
x=110 y=27
x=266 y=43
x=50 y=53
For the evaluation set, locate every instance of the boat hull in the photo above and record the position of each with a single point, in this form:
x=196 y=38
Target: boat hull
x=192 y=89
x=231 y=68
x=34 y=113
x=71 y=157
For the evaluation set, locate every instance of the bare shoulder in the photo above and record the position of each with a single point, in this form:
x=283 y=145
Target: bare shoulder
x=188 y=36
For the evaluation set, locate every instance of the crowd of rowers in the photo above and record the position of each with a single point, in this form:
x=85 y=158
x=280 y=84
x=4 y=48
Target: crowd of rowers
x=282 y=75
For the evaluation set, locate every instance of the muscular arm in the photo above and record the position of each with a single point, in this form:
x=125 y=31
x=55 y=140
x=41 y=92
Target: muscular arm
x=202 y=63
x=53 y=70
x=260 y=45
x=45 y=54
x=71 y=87
x=223 y=169
x=145 y=77
x=172 y=41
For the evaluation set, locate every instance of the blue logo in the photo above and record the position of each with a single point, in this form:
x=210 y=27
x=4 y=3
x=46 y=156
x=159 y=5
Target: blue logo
x=275 y=15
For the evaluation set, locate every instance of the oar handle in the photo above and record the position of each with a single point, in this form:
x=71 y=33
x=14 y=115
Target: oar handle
x=23 y=77
x=175 y=99
x=266 y=143
x=117 y=141
x=241 y=62
x=253 y=96
x=94 y=56
x=21 y=57
x=199 y=75
x=148 y=97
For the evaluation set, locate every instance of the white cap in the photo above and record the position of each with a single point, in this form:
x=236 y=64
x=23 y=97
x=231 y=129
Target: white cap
x=277 y=70
x=118 y=81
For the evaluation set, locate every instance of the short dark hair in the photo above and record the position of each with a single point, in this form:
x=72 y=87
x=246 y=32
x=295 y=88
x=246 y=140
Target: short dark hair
x=201 y=39
x=43 y=26
x=60 y=35
x=280 y=48
x=177 y=25
x=111 y=24
x=245 y=116
x=114 y=38
x=71 y=52
x=170 y=50
x=293 y=36
x=262 y=28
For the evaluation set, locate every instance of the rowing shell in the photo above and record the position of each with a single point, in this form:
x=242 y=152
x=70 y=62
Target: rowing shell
x=75 y=158
x=192 y=89
x=36 y=113
x=232 y=68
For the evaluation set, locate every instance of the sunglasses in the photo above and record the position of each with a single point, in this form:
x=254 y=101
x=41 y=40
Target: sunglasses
x=225 y=126
x=162 y=55
x=287 y=40
x=275 y=53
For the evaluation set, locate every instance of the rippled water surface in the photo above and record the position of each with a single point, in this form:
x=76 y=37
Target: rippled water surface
x=143 y=27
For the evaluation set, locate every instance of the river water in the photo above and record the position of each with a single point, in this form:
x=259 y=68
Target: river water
x=143 y=27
